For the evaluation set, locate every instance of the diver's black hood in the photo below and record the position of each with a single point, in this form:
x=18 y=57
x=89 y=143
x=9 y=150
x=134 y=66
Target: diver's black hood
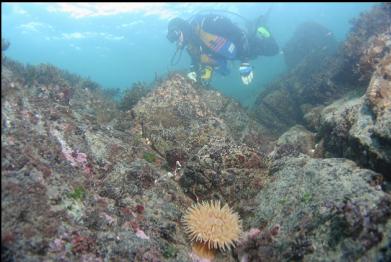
x=177 y=25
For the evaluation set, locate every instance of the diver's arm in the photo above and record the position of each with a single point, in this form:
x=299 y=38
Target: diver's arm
x=194 y=68
x=194 y=65
x=194 y=58
x=245 y=68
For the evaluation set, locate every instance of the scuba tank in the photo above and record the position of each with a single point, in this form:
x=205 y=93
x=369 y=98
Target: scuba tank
x=250 y=26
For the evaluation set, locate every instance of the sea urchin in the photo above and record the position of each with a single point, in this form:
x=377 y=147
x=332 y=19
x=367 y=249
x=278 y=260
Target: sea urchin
x=211 y=225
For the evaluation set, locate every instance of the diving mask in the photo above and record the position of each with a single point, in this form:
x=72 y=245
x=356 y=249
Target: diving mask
x=176 y=36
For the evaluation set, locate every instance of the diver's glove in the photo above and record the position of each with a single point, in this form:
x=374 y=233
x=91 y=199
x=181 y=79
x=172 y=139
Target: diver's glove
x=206 y=73
x=192 y=76
x=246 y=72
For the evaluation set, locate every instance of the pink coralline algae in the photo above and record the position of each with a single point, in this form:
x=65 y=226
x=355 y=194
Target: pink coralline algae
x=76 y=157
x=110 y=220
x=57 y=245
x=141 y=234
x=196 y=258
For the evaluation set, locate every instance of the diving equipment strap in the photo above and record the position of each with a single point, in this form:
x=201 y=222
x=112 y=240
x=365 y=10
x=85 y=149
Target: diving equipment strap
x=176 y=57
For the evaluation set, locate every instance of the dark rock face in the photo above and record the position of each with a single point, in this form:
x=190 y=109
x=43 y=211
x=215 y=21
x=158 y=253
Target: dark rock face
x=5 y=44
x=175 y=155
x=311 y=83
x=300 y=138
x=224 y=171
x=320 y=78
x=308 y=39
x=278 y=109
x=360 y=128
x=178 y=116
x=368 y=41
x=353 y=127
x=312 y=79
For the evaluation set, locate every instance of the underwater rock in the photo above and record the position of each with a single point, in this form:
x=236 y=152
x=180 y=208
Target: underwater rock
x=5 y=44
x=284 y=102
x=351 y=132
x=132 y=95
x=300 y=138
x=308 y=39
x=85 y=181
x=378 y=94
x=177 y=114
x=133 y=179
x=320 y=79
x=360 y=128
x=73 y=187
x=258 y=245
x=377 y=48
x=175 y=155
x=227 y=172
x=313 y=118
x=324 y=208
x=82 y=180
x=368 y=41
x=277 y=109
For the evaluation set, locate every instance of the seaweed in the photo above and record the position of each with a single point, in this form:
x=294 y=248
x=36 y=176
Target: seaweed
x=132 y=95
x=79 y=193
x=150 y=157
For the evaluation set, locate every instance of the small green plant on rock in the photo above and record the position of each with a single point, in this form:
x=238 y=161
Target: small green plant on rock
x=132 y=95
x=150 y=157
x=169 y=251
x=306 y=197
x=78 y=193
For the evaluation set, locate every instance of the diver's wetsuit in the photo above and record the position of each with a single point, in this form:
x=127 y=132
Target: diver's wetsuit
x=221 y=26
x=248 y=46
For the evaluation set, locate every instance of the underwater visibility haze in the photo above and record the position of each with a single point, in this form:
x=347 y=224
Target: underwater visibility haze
x=122 y=43
x=273 y=145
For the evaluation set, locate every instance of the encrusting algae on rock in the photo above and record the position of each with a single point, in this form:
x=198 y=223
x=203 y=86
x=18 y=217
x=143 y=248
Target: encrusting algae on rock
x=211 y=227
x=106 y=181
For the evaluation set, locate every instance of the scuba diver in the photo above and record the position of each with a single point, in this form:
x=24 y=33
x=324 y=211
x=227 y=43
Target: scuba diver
x=212 y=40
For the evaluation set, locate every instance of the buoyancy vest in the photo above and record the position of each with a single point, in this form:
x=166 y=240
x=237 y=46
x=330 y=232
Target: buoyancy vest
x=217 y=44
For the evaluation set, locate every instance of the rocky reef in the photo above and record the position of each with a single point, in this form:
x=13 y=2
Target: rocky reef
x=88 y=178
x=320 y=77
x=360 y=128
x=322 y=208
x=308 y=39
x=344 y=98
x=84 y=179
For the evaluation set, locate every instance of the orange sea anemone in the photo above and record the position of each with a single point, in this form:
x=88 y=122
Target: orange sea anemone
x=211 y=227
